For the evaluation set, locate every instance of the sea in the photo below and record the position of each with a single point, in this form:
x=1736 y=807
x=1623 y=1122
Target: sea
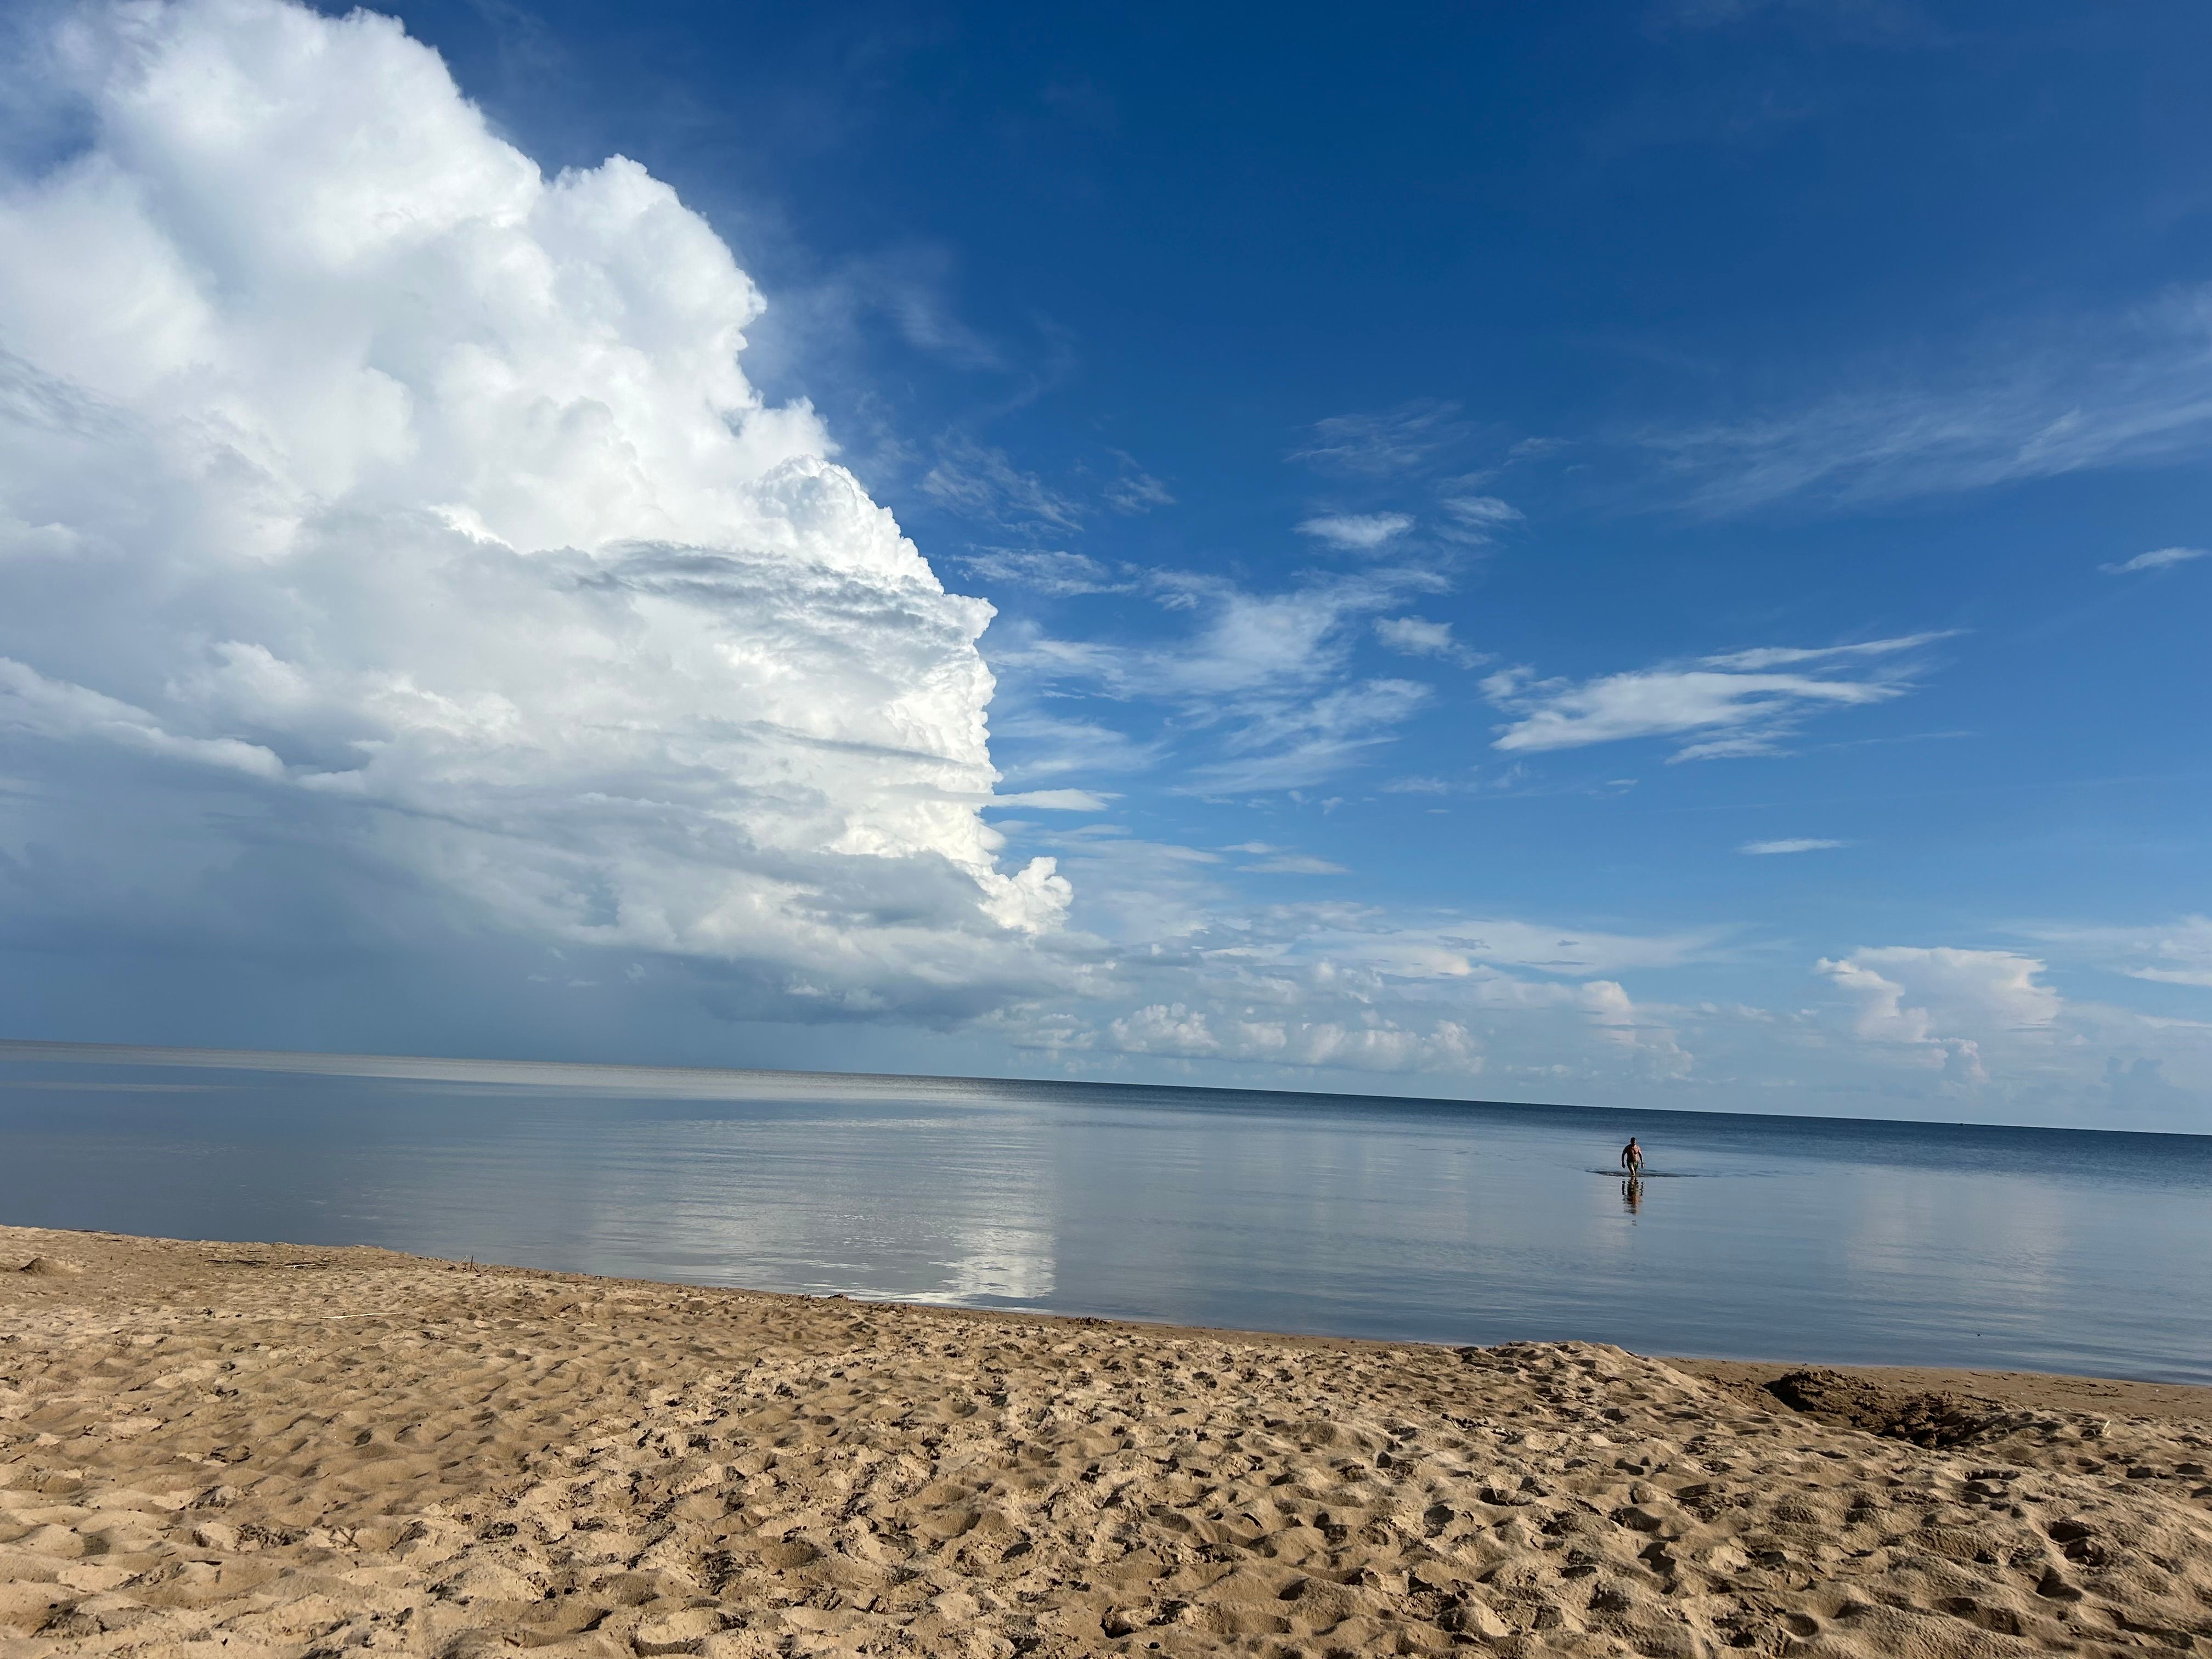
x=1836 y=1240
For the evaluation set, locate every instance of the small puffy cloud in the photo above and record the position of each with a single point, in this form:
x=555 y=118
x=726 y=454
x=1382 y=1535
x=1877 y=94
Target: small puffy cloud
x=1416 y=636
x=1359 y=533
x=1182 y=1032
x=2164 y=558
x=374 y=496
x=1056 y=574
x=1800 y=844
x=1164 y=1028
x=1725 y=703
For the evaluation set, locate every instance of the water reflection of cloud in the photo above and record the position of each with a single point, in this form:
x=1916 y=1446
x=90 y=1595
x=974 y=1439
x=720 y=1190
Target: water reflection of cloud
x=929 y=1208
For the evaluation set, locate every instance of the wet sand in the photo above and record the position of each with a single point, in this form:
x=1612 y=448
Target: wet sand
x=240 y=1450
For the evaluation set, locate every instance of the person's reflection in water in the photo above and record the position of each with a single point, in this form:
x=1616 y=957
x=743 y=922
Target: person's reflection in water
x=1632 y=1194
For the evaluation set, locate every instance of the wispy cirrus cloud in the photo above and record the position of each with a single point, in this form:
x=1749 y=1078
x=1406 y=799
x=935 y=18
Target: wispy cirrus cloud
x=2175 y=953
x=1793 y=844
x=980 y=481
x=1478 y=518
x=1057 y=574
x=2164 y=558
x=1031 y=741
x=1291 y=743
x=1732 y=704
x=1383 y=443
x=1886 y=22
x=2134 y=389
x=1137 y=491
x=1266 y=680
x=1416 y=636
x=1283 y=860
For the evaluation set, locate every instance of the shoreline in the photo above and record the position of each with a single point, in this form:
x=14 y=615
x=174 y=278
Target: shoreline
x=2050 y=1390
x=240 y=1450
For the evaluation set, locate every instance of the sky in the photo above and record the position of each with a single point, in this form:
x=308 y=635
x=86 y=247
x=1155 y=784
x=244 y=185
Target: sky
x=1648 y=554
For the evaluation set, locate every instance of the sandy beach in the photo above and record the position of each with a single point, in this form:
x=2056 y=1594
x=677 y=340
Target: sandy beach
x=247 y=1449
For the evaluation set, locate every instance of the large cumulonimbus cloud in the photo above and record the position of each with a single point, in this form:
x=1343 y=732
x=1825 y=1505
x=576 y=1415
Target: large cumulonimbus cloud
x=362 y=487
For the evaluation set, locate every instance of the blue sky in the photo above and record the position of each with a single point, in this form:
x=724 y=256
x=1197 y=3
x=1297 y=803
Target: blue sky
x=1641 y=554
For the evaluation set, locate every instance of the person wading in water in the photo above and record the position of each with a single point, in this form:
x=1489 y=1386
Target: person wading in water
x=1631 y=1158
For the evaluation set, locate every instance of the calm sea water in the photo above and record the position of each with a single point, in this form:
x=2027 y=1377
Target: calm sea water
x=1754 y=1237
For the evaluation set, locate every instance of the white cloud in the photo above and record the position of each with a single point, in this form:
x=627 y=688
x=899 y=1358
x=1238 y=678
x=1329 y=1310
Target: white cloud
x=1941 y=1005
x=1031 y=742
x=1137 y=491
x=1264 y=675
x=1359 y=533
x=1461 y=948
x=1173 y=1029
x=1380 y=444
x=1801 y=844
x=1290 y=744
x=2130 y=389
x=1056 y=800
x=1294 y=864
x=1950 y=992
x=979 y=482
x=2164 y=558
x=1879 y=21
x=1741 y=711
x=1480 y=517
x=1060 y=575
x=907 y=287
x=1788 y=656
x=417 y=500
x=2177 y=953
x=1416 y=636
x=1337 y=983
